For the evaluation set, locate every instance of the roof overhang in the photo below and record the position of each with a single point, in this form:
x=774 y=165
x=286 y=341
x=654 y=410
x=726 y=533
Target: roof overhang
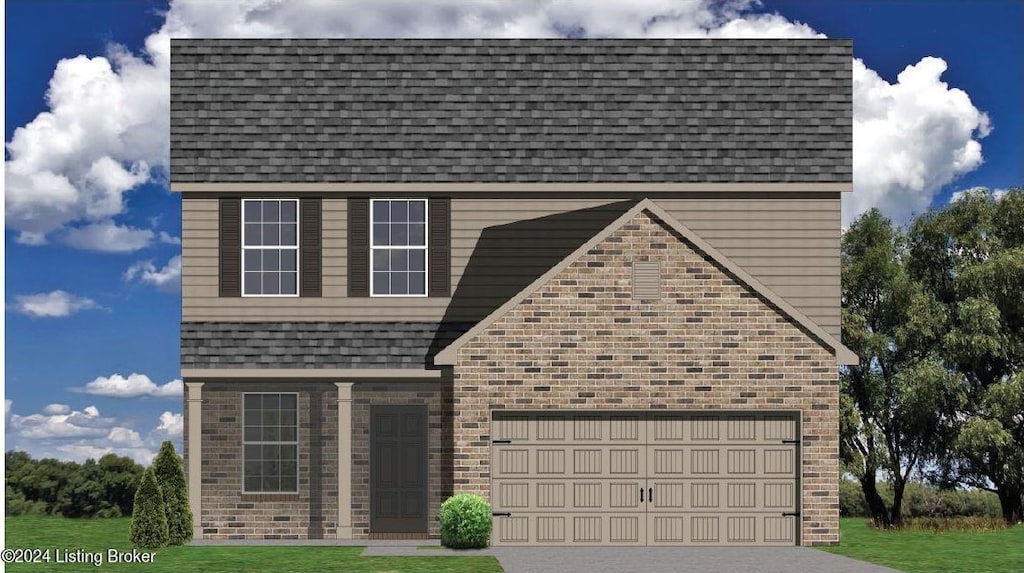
x=844 y=355
x=626 y=188
x=307 y=373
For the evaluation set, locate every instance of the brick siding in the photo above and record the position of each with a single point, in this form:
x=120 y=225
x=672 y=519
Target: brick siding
x=582 y=342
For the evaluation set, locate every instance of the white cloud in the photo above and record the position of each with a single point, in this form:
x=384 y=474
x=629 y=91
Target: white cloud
x=106 y=129
x=78 y=435
x=997 y=194
x=171 y=424
x=53 y=304
x=134 y=386
x=54 y=409
x=169 y=239
x=167 y=278
x=107 y=236
x=909 y=139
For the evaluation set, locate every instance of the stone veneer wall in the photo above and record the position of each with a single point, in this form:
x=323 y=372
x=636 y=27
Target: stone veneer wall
x=438 y=399
x=227 y=513
x=582 y=342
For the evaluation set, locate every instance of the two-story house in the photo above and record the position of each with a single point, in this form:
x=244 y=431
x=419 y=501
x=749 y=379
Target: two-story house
x=594 y=281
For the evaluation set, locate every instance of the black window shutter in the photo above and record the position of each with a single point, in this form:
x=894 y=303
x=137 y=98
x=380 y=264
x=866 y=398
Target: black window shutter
x=358 y=247
x=439 y=247
x=310 y=247
x=230 y=247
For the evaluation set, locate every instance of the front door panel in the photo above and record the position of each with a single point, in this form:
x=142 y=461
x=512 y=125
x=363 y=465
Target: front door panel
x=398 y=469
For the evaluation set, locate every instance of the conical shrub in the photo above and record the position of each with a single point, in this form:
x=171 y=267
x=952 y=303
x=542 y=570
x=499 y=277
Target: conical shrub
x=149 y=518
x=170 y=476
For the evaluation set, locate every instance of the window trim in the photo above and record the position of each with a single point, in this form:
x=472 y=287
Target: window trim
x=298 y=453
x=297 y=248
x=425 y=247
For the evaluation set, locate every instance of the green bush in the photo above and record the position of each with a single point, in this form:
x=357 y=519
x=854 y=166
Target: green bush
x=921 y=500
x=149 y=517
x=465 y=521
x=18 y=505
x=170 y=476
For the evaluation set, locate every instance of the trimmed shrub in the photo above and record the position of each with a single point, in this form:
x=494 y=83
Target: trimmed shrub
x=170 y=476
x=465 y=521
x=149 y=517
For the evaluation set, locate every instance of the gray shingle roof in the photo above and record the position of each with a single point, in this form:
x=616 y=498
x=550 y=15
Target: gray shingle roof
x=378 y=111
x=314 y=344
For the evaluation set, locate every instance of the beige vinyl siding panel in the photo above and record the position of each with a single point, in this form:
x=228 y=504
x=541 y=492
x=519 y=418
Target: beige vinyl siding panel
x=791 y=245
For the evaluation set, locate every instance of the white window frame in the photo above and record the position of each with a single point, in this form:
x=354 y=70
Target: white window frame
x=424 y=248
x=298 y=240
x=298 y=429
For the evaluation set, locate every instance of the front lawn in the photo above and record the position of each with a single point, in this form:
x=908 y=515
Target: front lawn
x=102 y=534
x=927 y=552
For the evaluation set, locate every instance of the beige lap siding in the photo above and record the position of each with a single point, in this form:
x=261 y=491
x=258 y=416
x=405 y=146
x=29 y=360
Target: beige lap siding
x=437 y=397
x=582 y=342
x=230 y=514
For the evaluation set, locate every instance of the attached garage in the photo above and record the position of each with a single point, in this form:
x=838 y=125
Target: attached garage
x=645 y=478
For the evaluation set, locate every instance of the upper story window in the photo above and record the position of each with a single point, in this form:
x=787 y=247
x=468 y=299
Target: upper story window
x=398 y=247
x=270 y=247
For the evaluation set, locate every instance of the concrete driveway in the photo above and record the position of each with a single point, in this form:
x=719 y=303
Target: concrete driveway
x=655 y=559
x=678 y=559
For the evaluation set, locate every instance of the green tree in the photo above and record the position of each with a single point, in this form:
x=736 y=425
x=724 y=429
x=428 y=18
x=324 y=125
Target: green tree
x=898 y=396
x=149 y=518
x=120 y=474
x=970 y=257
x=170 y=476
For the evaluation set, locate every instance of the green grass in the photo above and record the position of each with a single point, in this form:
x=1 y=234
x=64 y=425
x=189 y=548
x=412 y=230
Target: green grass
x=927 y=552
x=102 y=534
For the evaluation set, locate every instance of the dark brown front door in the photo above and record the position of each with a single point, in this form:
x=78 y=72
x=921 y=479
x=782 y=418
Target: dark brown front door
x=398 y=469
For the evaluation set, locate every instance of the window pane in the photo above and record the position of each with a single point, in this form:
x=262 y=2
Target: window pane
x=253 y=453
x=253 y=401
x=252 y=259
x=271 y=453
x=288 y=211
x=271 y=434
x=253 y=236
x=417 y=260
x=271 y=234
x=271 y=260
x=381 y=284
x=400 y=260
x=381 y=260
x=271 y=211
x=288 y=434
x=399 y=234
x=271 y=401
x=417 y=234
x=252 y=211
x=399 y=283
x=252 y=283
x=417 y=211
x=399 y=211
x=288 y=483
x=288 y=416
x=288 y=453
x=288 y=402
x=271 y=417
x=288 y=283
x=380 y=234
x=417 y=283
x=287 y=259
x=253 y=483
x=253 y=468
x=252 y=433
x=288 y=235
x=380 y=211
x=271 y=483
x=271 y=283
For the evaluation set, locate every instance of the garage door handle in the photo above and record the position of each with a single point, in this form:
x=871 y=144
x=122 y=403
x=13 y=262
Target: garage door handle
x=791 y=514
x=790 y=441
x=641 y=495
x=650 y=494
x=501 y=441
x=501 y=514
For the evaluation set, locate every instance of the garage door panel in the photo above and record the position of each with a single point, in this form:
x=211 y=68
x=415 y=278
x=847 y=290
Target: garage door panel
x=645 y=478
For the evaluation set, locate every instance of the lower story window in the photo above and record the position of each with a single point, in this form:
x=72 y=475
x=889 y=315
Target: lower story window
x=270 y=443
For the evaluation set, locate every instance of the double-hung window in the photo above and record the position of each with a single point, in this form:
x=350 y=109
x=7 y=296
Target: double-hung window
x=270 y=247
x=270 y=443
x=398 y=247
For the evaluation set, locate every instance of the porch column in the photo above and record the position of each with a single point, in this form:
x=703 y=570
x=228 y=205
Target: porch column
x=195 y=456
x=344 y=459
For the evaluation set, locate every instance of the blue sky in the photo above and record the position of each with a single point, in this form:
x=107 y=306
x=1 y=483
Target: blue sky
x=91 y=230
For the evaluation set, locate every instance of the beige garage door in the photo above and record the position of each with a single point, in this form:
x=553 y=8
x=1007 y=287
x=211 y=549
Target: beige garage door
x=644 y=478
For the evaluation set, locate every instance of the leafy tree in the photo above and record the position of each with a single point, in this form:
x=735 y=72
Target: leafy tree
x=970 y=257
x=120 y=474
x=170 y=476
x=149 y=518
x=898 y=396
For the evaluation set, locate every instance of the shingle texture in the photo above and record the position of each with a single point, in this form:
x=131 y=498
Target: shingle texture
x=559 y=111
x=314 y=344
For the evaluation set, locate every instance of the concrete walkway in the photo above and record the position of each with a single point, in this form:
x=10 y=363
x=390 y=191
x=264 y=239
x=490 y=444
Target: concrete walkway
x=655 y=559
